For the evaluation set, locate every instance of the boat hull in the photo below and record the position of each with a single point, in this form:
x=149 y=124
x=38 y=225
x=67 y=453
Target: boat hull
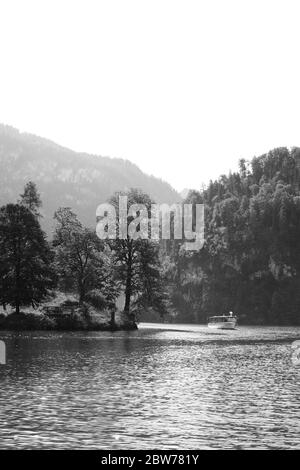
x=229 y=325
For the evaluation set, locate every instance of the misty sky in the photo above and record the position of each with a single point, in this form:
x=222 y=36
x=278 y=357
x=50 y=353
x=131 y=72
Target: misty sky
x=182 y=88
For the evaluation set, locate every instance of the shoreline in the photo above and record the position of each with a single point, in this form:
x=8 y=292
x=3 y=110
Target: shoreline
x=40 y=322
x=27 y=326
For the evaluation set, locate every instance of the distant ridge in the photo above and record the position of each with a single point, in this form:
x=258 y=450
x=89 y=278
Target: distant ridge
x=68 y=178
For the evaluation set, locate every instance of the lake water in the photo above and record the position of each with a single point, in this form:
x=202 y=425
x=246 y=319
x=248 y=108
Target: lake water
x=163 y=387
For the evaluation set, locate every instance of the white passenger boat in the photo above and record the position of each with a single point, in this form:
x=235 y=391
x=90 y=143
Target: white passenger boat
x=223 y=322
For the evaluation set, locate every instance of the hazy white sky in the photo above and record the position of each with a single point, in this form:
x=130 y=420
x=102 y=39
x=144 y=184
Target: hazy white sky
x=183 y=88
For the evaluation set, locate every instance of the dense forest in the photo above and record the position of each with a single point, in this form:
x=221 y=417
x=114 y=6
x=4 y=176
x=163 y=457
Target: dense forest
x=251 y=259
x=250 y=262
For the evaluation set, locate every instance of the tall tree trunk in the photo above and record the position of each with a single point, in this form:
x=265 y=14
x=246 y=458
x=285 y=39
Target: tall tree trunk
x=81 y=291
x=127 y=296
x=128 y=292
x=17 y=280
x=128 y=318
x=113 y=319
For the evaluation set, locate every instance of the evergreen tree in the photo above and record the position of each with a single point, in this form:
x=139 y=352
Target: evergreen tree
x=31 y=198
x=25 y=258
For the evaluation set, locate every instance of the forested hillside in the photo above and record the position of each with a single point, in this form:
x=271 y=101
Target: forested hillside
x=251 y=260
x=68 y=178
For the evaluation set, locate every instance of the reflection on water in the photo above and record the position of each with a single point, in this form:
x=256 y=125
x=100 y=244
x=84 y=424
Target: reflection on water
x=162 y=387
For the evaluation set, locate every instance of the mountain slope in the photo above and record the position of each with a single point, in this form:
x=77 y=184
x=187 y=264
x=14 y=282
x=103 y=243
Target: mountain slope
x=67 y=178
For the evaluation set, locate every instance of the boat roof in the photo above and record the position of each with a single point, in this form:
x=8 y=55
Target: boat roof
x=223 y=316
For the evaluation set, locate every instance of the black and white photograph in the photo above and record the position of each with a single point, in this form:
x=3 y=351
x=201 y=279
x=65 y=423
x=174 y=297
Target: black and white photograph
x=149 y=228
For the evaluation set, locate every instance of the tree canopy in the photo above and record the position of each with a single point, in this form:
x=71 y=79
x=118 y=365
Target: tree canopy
x=25 y=258
x=137 y=261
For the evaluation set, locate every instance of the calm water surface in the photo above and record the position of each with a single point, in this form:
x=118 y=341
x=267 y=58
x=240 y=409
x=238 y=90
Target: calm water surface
x=162 y=387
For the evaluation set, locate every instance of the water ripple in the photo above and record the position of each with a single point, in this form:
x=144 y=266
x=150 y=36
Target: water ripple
x=164 y=387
